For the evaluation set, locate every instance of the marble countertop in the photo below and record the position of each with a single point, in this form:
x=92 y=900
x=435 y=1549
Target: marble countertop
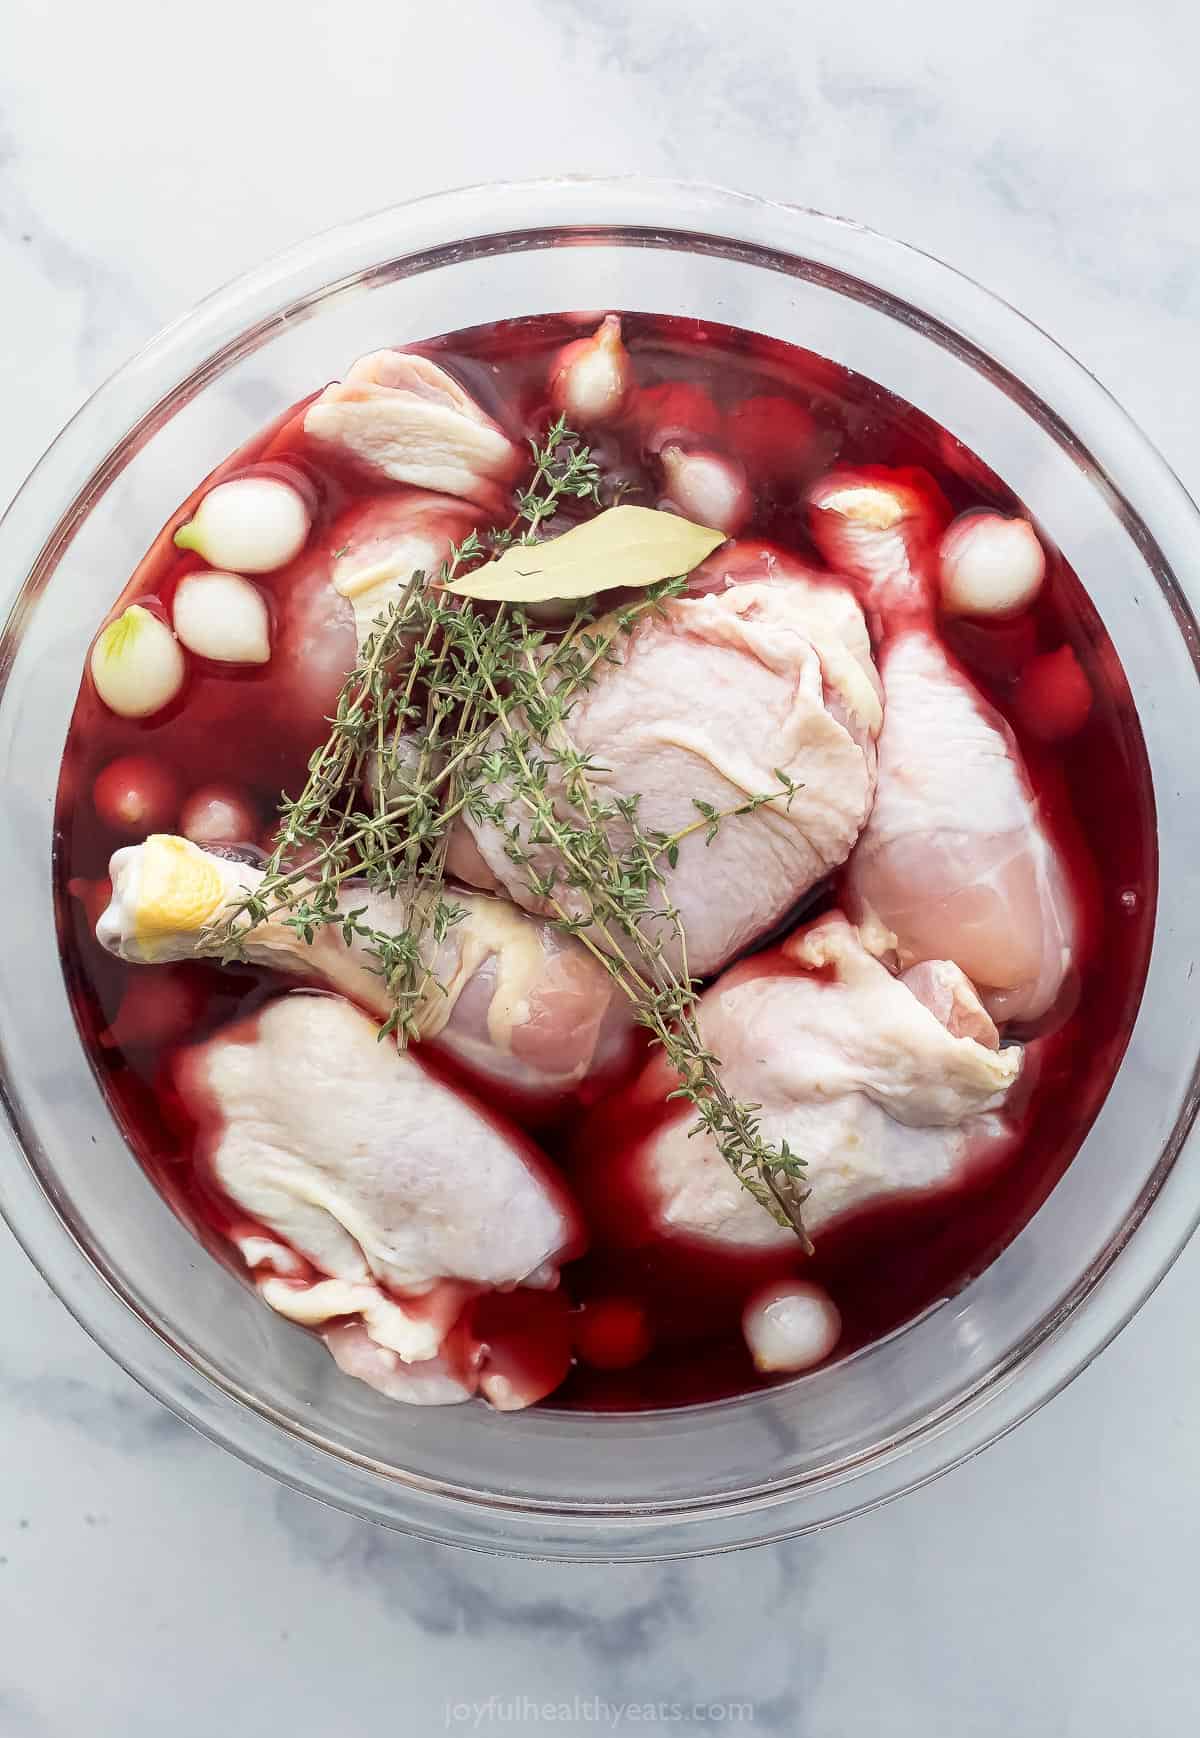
x=150 y=1583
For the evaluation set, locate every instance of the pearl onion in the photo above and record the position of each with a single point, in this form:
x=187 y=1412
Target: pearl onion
x=791 y=1326
x=136 y=795
x=990 y=565
x=251 y=525
x=218 y=815
x=222 y=616
x=593 y=376
x=136 y=664
x=707 y=489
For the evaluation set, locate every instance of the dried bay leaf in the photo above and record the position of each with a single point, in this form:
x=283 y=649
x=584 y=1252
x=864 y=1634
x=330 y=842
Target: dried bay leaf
x=621 y=546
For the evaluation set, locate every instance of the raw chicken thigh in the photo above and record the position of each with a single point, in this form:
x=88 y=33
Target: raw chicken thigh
x=404 y=418
x=511 y=998
x=954 y=859
x=859 y=1076
x=708 y=700
x=832 y=620
x=394 y=1199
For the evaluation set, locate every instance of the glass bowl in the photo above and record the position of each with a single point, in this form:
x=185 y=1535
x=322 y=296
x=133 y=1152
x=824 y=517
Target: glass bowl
x=602 y=1486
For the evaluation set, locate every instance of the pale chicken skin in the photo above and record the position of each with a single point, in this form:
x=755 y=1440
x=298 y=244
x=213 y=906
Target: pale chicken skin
x=327 y=602
x=433 y=1382
x=401 y=1199
x=881 y=528
x=955 y=860
x=833 y=621
x=402 y=417
x=513 y=999
x=857 y=1074
x=708 y=703
x=376 y=547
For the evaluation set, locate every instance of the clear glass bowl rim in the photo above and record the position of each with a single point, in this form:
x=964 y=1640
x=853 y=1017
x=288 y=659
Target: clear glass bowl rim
x=1102 y=1302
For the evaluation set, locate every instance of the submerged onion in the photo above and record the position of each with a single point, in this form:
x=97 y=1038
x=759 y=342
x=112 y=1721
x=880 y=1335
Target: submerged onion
x=677 y=411
x=592 y=376
x=707 y=488
x=791 y=1326
x=223 y=617
x=136 y=794
x=990 y=565
x=136 y=664
x=1054 y=696
x=218 y=815
x=612 y=1333
x=772 y=434
x=250 y=524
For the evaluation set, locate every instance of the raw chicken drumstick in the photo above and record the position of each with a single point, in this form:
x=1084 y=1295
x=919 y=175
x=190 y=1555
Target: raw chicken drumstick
x=881 y=528
x=955 y=860
x=511 y=998
x=396 y=1202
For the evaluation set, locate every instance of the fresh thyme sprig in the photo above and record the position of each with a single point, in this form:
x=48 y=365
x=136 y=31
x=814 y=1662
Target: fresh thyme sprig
x=455 y=708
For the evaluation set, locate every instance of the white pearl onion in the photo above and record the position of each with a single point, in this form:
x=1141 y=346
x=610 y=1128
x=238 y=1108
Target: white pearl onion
x=990 y=565
x=217 y=815
x=136 y=664
x=791 y=1326
x=248 y=525
x=222 y=616
x=593 y=378
x=707 y=488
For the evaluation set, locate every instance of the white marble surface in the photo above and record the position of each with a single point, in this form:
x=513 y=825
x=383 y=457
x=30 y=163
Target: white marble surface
x=151 y=1584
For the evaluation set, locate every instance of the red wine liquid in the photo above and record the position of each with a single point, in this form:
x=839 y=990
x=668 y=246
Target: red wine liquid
x=257 y=730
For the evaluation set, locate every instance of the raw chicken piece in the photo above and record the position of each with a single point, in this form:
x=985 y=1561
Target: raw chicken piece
x=326 y=603
x=432 y=1383
x=315 y=646
x=833 y=620
x=369 y=1167
x=951 y=997
x=379 y=544
x=510 y=998
x=707 y=701
x=857 y=1075
x=402 y=1200
x=881 y=528
x=405 y=418
x=954 y=859
x=510 y=1370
